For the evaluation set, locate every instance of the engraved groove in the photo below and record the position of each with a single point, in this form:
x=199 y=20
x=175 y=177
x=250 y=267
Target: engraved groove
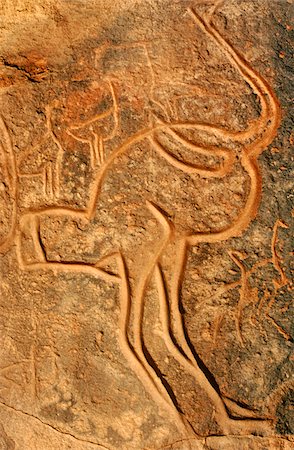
x=257 y=136
x=10 y=169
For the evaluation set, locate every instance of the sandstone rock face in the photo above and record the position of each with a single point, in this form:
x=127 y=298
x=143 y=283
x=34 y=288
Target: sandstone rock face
x=145 y=250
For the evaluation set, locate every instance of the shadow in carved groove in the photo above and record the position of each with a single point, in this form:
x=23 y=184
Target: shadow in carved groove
x=252 y=141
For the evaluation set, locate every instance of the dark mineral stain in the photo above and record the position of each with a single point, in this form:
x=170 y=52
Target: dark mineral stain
x=285 y=414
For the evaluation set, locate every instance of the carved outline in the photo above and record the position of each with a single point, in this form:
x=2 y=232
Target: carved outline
x=268 y=123
x=96 y=145
x=243 y=284
x=50 y=172
x=10 y=169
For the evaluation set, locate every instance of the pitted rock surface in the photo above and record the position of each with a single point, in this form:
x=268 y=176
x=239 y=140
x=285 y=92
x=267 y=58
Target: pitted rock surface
x=146 y=195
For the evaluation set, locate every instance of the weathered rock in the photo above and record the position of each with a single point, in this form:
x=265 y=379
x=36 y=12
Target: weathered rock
x=145 y=193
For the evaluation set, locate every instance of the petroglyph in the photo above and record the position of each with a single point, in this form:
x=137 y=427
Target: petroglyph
x=49 y=168
x=266 y=301
x=85 y=131
x=190 y=150
x=9 y=168
x=254 y=141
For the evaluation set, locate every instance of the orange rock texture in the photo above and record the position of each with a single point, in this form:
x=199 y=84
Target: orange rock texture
x=145 y=229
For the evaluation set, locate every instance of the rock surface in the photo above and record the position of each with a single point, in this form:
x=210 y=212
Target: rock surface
x=145 y=230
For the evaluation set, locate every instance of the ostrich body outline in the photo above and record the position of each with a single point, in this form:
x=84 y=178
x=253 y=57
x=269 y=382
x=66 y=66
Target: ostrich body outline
x=254 y=140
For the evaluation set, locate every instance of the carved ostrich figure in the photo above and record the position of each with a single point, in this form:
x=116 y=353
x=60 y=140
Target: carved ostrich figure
x=249 y=144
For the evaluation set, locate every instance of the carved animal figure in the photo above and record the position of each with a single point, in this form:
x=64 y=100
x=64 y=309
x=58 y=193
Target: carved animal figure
x=44 y=159
x=163 y=255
